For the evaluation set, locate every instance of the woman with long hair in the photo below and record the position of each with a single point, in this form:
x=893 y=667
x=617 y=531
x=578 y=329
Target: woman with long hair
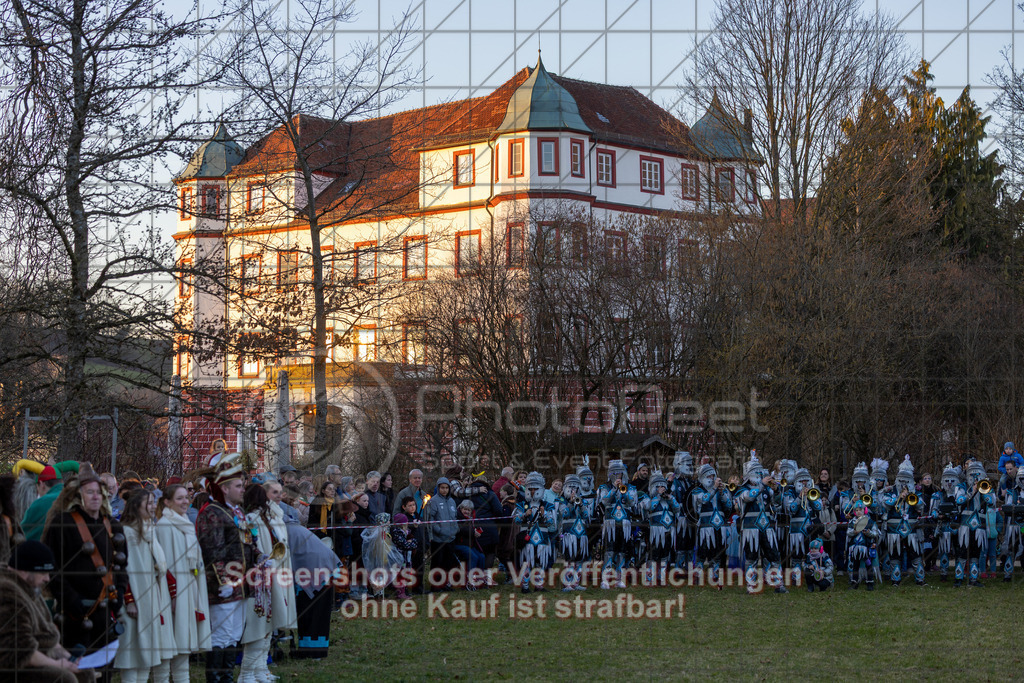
x=85 y=538
x=148 y=637
x=190 y=604
x=259 y=611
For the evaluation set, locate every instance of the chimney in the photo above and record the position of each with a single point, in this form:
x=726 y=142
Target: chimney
x=748 y=120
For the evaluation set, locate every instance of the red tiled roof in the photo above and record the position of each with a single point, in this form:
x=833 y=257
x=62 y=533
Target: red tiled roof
x=376 y=161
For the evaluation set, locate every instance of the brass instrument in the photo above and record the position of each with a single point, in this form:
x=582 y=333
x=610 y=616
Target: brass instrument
x=278 y=552
x=984 y=486
x=912 y=499
x=813 y=494
x=732 y=487
x=867 y=499
x=576 y=500
x=623 y=488
x=784 y=483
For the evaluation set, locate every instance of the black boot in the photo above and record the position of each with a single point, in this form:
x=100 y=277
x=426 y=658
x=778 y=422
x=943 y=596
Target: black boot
x=214 y=663
x=227 y=670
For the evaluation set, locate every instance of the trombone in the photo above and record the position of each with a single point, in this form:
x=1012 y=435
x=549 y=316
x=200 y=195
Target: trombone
x=984 y=486
x=867 y=499
x=732 y=487
x=623 y=488
x=813 y=494
x=912 y=499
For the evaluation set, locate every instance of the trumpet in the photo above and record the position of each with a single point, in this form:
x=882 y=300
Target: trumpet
x=867 y=499
x=576 y=500
x=813 y=494
x=784 y=483
x=623 y=488
x=984 y=486
x=732 y=487
x=912 y=499
x=278 y=552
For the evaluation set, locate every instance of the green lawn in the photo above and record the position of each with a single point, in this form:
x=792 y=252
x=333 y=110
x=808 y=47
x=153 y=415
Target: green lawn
x=909 y=633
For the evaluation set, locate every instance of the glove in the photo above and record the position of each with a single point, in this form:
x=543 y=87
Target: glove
x=269 y=564
x=226 y=591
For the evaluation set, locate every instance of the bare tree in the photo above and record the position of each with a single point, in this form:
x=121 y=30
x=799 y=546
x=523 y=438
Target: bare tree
x=319 y=159
x=801 y=67
x=91 y=102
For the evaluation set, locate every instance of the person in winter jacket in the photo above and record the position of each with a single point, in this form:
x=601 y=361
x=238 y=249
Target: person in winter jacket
x=441 y=508
x=1009 y=454
x=467 y=547
x=405 y=541
x=488 y=514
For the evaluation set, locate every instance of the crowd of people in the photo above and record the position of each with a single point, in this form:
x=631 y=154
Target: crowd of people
x=230 y=566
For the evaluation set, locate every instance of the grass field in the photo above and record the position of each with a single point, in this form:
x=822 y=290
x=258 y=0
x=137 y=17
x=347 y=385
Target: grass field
x=909 y=633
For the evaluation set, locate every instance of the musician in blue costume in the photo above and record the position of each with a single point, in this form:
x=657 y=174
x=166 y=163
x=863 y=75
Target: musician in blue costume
x=803 y=508
x=712 y=504
x=535 y=517
x=944 y=511
x=756 y=499
x=862 y=546
x=686 y=523
x=973 y=500
x=662 y=516
x=1013 y=510
x=903 y=537
x=618 y=501
x=575 y=546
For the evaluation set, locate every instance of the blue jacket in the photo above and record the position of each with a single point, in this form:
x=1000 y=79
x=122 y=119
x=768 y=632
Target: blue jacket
x=1014 y=457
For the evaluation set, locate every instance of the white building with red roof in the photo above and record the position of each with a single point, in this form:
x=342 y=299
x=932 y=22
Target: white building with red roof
x=409 y=195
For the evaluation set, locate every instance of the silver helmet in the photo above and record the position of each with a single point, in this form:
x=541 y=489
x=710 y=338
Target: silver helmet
x=586 y=477
x=905 y=473
x=617 y=469
x=657 y=480
x=860 y=476
x=880 y=472
x=802 y=480
x=534 y=487
x=706 y=476
x=682 y=463
x=975 y=472
x=571 y=487
x=752 y=470
x=951 y=476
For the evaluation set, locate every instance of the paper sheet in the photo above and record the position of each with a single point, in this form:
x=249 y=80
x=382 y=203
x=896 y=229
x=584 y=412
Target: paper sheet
x=99 y=658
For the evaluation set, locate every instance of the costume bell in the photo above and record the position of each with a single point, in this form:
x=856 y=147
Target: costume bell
x=535 y=516
x=756 y=499
x=662 y=511
x=712 y=505
x=944 y=510
x=972 y=534
x=618 y=501
x=575 y=518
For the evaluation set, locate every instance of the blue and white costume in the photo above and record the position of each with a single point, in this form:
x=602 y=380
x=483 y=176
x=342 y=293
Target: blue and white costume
x=903 y=538
x=535 y=517
x=712 y=504
x=943 y=509
x=862 y=546
x=662 y=516
x=803 y=515
x=619 y=502
x=756 y=500
x=972 y=534
x=1013 y=511
x=575 y=516
x=686 y=522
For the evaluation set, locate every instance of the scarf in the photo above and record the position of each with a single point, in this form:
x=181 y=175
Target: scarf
x=185 y=527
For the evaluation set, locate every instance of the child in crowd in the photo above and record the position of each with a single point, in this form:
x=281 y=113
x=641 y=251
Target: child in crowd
x=819 y=570
x=406 y=543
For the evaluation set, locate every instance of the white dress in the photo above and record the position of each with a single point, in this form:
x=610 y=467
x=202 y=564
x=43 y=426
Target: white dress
x=148 y=639
x=177 y=536
x=282 y=615
x=257 y=615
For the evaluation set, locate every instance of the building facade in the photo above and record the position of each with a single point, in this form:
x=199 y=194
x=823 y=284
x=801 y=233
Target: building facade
x=400 y=200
